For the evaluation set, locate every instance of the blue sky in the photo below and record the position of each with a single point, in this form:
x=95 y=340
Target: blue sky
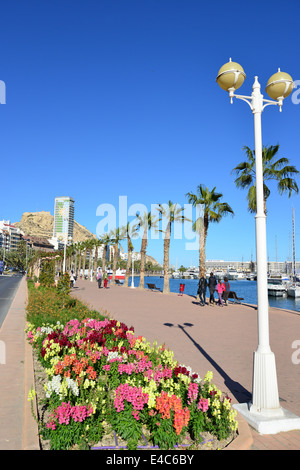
x=119 y=98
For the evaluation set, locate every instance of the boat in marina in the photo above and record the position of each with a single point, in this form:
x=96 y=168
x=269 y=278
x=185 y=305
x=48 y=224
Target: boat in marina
x=191 y=273
x=294 y=290
x=241 y=276
x=278 y=285
x=176 y=275
x=120 y=274
x=219 y=274
x=232 y=273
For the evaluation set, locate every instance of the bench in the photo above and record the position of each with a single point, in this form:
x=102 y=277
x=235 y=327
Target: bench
x=232 y=295
x=153 y=287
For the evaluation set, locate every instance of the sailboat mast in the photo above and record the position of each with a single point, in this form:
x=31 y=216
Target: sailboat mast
x=294 y=254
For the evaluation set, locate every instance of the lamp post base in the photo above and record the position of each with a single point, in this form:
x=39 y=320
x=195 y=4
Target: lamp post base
x=287 y=421
x=265 y=397
x=265 y=413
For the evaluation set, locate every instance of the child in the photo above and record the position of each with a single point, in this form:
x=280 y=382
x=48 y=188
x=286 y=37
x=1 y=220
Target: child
x=220 y=290
x=226 y=290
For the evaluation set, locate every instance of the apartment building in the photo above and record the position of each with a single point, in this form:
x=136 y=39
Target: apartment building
x=9 y=235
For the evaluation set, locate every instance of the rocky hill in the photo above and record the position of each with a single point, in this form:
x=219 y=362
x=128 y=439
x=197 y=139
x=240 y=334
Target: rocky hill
x=40 y=224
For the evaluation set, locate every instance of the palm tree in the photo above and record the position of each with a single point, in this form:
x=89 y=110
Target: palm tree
x=146 y=221
x=97 y=243
x=213 y=211
x=129 y=233
x=105 y=239
x=172 y=213
x=90 y=245
x=278 y=170
x=85 y=246
x=116 y=237
x=80 y=248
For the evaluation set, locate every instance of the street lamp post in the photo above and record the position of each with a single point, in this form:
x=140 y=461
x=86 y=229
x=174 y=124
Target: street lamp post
x=264 y=412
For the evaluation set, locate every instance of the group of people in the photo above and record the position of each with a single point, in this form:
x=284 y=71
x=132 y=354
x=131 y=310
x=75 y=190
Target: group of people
x=102 y=277
x=222 y=288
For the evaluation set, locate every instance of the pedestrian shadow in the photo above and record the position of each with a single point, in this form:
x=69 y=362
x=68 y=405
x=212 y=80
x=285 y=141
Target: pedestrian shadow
x=240 y=393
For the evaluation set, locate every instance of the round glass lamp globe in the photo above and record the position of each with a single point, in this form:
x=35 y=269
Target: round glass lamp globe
x=280 y=85
x=231 y=75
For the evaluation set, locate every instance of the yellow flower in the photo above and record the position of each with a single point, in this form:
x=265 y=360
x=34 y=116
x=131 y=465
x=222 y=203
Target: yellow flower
x=208 y=376
x=227 y=403
x=31 y=394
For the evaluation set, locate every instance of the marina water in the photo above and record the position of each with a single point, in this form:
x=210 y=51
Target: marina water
x=243 y=288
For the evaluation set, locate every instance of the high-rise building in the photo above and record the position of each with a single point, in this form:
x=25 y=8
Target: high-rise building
x=63 y=218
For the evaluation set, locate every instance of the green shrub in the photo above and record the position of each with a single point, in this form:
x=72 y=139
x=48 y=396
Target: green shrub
x=48 y=305
x=47 y=273
x=63 y=285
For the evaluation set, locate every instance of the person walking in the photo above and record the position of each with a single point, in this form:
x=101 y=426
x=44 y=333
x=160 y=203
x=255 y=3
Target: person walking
x=105 y=280
x=212 y=282
x=72 y=280
x=99 y=278
x=226 y=290
x=202 y=290
x=220 y=290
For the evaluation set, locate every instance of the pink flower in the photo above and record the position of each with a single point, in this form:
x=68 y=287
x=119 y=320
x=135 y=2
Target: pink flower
x=192 y=392
x=203 y=404
x=133 y=395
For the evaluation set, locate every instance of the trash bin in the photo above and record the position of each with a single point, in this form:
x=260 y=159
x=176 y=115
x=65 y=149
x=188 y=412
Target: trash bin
x=181 y=289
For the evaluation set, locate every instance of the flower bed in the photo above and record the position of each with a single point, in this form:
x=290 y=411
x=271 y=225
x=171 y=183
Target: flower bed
x=101 y=379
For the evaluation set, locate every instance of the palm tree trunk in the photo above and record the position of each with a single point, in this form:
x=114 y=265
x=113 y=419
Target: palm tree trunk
x=95 y=261
x=90 y=263
x=115 y=260
x=143 y=256
x=104 y=259
x=79 y=264
x=84 y=260
x=167 y=239
x=129 y=260
x=202 y=246
x=75 y=264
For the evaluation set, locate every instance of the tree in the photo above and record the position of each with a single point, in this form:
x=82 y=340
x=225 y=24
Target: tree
x=116 y=237
x=85 y=247
x=213 y=211
x=278 y=170
x=105 y=239
x=129 y=233
x=90 y=245
x=80 y=248
x=47 y=272
x=171 y=213
x=97 y=244
x=146 y=221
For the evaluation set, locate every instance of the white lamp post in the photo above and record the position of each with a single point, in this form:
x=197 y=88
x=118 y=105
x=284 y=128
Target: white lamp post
x=264 y=413
x=132 y=273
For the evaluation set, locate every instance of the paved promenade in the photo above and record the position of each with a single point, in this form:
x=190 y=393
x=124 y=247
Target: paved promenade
x=206 y=338
x=219 y=339
x=18 y=430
